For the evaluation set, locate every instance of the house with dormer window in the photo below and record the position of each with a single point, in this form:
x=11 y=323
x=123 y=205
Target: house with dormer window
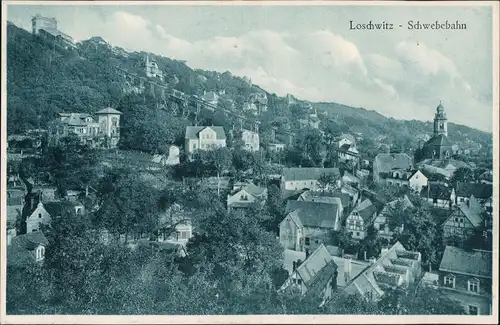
x=26 y=249
x=466 y=277
x=244 y=197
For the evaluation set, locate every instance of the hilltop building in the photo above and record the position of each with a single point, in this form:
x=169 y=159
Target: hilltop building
x=105 y=132
x=251 y=140
x=47 y=27
x=256 y=103
x=152 y=69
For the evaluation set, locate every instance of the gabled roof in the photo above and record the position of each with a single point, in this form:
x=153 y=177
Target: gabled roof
x=314 y=214
x=366 y=210
x=478 y=190
x=254 y=190
x=475 y=262
x=21 y=250
x=405 y=204
x=348 y=137
x=76 y=119
x=109 y=110
x=58 y=208
x=317 y=269
x=307 y=173
x=472 y=211
x=389 y=161
x=327 y=197
x=193 y=131
x=440 y=140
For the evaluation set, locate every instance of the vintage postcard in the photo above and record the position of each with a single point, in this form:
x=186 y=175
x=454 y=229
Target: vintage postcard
x=249 y=162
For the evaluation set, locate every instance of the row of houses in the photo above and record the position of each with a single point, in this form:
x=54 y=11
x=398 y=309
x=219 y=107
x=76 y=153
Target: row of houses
x=463 y=276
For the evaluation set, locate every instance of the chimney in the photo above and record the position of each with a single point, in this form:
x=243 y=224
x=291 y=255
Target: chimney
x=364 y=255
x=347 y=270
x=294 y=265
x=384 y=250
x=372 y=260
x=307 y=253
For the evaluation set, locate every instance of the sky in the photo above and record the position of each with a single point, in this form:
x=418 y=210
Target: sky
x=310 y=52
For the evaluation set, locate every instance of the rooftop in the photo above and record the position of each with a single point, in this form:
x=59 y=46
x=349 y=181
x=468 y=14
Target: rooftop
x=193 y=131
x=308 y=173
x=386 y=162
x=314 y=214
x=109 y=110
x=385 y=272
x=478 y=190
x=21 y=251
x=474 y=262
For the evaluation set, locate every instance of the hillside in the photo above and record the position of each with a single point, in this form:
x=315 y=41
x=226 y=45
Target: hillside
x=44 y=79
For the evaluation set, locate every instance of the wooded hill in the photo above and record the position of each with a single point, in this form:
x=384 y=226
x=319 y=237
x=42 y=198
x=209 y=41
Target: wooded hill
x=44 y=79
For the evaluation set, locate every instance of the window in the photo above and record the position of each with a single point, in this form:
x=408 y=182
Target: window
x=473 y=310
x=40 y=216
x=449 y=281
x=299 y=281
x=307 y=240
x=357 y=233
x=473 y=285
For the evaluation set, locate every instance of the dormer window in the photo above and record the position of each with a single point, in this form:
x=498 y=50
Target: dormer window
x=473 y=285
x=449 y=281
x=40 y=253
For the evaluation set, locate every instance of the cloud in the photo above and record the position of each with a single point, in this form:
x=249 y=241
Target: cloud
x=319 y=66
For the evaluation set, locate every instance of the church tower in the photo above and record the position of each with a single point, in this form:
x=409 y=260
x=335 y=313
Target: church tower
x=440 y=122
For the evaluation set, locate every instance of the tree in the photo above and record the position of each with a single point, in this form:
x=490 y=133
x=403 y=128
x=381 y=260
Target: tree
x=426 y=301
x=308 y=149
x=421 y=234
x=328 y=181
x=129 y=205
x=70 y=164
x=462 y=174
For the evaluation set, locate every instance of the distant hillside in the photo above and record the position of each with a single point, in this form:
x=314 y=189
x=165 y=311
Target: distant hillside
x=44 y=79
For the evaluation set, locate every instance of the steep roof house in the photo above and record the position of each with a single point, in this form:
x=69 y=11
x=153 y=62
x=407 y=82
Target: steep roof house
x=246 y=196
x=386 y=162
x=395 y=268
x=308 y=224
x=466 y=277
x=317 y=275
x=360 y=218
x=466 y=218
x=26 y=249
